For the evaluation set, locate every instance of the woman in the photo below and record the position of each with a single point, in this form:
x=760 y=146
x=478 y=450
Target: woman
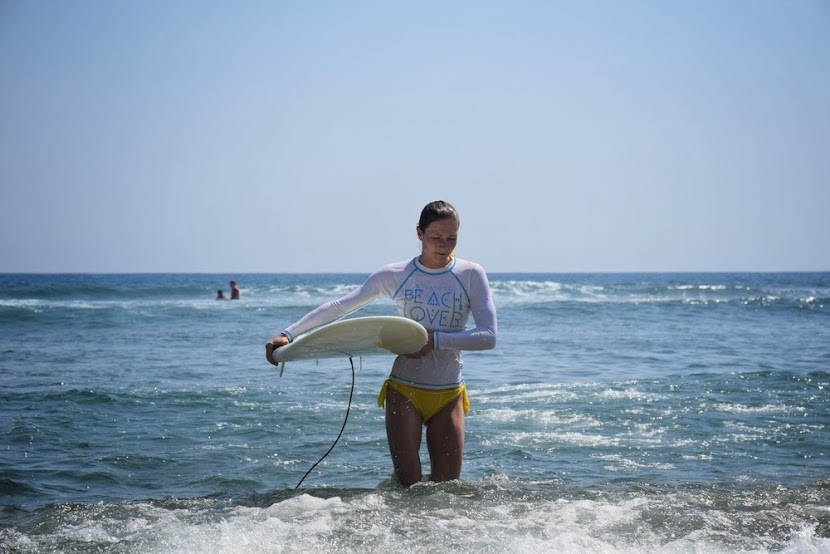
x=424 y=388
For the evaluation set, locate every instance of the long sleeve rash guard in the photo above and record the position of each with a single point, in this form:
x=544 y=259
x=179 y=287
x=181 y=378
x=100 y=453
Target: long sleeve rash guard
x=439 y=299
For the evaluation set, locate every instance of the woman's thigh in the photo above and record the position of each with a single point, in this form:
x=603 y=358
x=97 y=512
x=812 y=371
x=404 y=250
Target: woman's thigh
x=404 y=428
x=445 y=441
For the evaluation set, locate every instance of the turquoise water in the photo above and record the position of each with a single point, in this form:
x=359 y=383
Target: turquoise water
x=619 y=413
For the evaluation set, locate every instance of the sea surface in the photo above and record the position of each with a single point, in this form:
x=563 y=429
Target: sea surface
x=618 y=413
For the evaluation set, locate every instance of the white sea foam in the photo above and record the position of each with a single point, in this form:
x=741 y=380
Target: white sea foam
x=536 y=417
x=631 y=394
x=763 y=409
x=486 y=517
x=516 y=394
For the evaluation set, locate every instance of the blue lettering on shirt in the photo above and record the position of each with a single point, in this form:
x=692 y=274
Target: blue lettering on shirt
x=440 y=310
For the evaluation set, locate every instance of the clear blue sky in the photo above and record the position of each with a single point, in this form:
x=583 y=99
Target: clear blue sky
x=583 y=135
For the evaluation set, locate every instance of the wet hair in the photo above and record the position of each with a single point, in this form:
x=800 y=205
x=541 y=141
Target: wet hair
x=435 y=211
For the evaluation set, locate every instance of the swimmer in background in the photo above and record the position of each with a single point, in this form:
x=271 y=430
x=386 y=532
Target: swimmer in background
x=220 y=295
x=234 y=291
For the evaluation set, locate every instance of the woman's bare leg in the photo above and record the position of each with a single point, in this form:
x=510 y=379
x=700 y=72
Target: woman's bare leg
x=403 y=430
x=445 y=441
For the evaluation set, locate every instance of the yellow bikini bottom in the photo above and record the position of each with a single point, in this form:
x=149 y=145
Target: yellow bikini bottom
x=427 y=402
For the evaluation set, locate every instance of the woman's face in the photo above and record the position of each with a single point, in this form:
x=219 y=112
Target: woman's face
x=438 y=242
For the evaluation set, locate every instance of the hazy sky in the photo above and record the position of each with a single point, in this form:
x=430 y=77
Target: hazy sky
x=306 y=136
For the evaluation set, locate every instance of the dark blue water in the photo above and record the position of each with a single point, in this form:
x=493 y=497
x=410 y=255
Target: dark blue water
x=619 y=413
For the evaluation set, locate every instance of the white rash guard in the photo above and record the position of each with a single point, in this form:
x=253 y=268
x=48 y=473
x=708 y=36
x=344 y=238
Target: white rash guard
x=439 y=299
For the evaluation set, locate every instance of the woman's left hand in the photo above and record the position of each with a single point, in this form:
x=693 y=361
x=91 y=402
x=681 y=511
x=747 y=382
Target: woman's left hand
x=426 y=349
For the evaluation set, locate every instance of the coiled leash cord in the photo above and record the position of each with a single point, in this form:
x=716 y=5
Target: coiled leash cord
x=340 y=434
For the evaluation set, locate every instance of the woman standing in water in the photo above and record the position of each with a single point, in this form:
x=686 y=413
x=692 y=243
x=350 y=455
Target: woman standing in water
x=424 y=388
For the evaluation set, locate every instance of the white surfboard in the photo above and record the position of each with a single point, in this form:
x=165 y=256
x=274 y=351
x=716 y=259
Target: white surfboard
x=359 y=336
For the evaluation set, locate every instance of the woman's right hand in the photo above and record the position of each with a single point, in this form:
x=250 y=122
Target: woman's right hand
x=277 y=342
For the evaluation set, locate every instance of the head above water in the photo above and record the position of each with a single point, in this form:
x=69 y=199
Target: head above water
x=435 y=211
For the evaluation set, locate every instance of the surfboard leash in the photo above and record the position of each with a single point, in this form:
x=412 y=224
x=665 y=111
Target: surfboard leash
x=342 y=428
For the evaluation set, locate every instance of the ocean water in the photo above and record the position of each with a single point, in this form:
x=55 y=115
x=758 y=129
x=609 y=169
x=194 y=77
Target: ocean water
x=618 y=413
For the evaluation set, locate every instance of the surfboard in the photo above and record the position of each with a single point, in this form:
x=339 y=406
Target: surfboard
x=355 y=337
